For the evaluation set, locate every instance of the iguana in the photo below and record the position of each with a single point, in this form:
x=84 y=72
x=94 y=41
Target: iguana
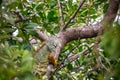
x=44 y=56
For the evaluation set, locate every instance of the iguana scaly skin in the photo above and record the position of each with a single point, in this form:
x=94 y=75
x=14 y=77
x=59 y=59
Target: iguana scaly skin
x=44 y=56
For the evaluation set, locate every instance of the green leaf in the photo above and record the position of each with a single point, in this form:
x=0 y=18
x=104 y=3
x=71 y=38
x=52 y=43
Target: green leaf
x=26 y=61
x=52 y=16
x=69 y=66
x=40 y=6
x=93 y=16
x=31 y=28
x=70 y=3
x=84 y=12
x=42 y=15
x=92 y=11
x=105 y=7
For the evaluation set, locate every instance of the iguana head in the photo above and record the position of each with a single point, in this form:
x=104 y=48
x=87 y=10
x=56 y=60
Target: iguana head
x=52 y=43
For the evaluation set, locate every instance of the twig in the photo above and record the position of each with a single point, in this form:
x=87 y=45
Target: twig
x=89 y=72
x=41 y=36
x=20 y=17
x=21 y=20
x=18 y=14
x=60 y=14
x=73 y=16
x=85 y=52
x=33 y=41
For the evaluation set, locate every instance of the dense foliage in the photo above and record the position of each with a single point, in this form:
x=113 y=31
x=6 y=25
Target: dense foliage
x=18 y=24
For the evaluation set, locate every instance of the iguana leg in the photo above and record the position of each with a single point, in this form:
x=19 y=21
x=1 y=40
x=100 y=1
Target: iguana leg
x=52 y=60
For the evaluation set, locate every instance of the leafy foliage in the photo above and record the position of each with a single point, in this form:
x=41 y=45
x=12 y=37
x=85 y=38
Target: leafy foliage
x=16 y=58
x=15 y=63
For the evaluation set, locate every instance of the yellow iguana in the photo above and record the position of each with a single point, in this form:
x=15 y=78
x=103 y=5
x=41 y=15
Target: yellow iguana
x=44 y=56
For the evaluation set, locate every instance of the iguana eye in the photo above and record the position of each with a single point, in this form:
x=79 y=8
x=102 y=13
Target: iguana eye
x=55 y=45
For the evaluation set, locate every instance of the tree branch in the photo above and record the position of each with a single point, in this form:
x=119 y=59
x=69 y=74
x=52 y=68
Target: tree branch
x=80 y=33
x=73 y=16
x=111 y=11
x=20 y=17
x=60 y=14
x=31 y=41
x=85 y=52
x=41 y=36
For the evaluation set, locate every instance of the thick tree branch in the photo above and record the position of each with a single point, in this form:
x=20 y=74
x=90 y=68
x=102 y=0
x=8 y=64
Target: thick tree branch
x=111 y=11
x=81 y=33
x=73 y=16
x=60 y=14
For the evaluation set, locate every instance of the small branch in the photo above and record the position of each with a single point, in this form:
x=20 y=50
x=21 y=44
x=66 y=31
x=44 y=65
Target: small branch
x=18 y=14
x=85 y=52
x=89 y=72
x=21 y=20
x=74 y=57
x=41 y=36
x=31 y=41
x=73 y=16
x=60 y=14
x=19 y=39
x=20 y=17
